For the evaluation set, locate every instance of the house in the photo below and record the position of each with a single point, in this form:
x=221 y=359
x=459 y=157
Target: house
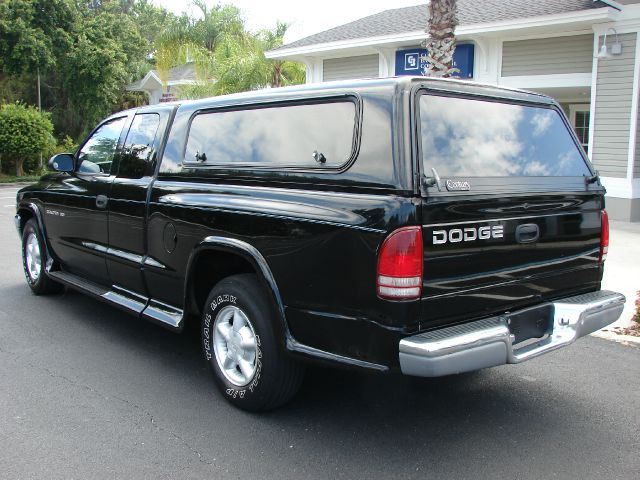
x=152 y=85
x=556 y=47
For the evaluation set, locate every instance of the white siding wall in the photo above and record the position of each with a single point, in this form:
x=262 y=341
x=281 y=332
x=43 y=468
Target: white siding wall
x=364 y=66
x=612 y=120
x=636 y=160
x=547 y=56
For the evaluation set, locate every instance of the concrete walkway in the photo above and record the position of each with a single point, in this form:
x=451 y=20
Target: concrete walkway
x=622 y=271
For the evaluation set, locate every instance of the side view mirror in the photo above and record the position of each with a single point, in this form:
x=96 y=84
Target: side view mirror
x=62 y=162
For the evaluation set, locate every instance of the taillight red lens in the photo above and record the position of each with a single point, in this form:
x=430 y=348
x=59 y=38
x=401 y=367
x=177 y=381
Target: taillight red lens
x=604 y=236
x=400 y=261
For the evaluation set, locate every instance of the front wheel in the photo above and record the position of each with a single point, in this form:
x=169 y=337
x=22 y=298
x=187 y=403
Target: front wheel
x=34 y=261
x=241 y=345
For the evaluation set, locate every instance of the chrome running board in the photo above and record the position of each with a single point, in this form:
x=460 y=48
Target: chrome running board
x=149 y=309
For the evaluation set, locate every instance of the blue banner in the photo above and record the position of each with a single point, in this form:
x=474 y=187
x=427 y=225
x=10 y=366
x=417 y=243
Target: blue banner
x=413 y=61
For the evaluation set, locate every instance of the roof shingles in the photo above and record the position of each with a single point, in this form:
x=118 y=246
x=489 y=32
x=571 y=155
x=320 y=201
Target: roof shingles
x=412 y=19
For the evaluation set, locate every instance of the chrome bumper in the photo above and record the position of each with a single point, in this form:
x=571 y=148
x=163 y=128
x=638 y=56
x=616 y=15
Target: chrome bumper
x=490 y=342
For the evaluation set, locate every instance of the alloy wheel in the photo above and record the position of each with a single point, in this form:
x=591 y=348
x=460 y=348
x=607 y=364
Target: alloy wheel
x=235 y=345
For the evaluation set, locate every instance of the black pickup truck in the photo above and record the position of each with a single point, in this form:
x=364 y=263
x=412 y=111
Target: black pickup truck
x=424 y=226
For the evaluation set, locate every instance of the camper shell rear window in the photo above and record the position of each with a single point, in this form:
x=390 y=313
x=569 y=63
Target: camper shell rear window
x=469 y=137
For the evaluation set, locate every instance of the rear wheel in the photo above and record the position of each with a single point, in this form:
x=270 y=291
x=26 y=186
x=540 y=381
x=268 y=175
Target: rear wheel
x=34 y=261
x=241 y=345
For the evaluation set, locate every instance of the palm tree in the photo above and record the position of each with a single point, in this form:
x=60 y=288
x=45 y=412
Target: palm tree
x=195 y=40
x=441 y=38
x=172 y=45
x=282 y=72
x=227 y=58
x=243 y=66
x=216 y=23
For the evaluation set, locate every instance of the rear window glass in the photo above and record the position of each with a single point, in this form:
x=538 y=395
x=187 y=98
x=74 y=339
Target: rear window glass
x=476 y=138
x=317 y=135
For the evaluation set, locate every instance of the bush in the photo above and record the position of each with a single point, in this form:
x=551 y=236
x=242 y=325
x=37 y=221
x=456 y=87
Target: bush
x=636 y=317
x=25 y=134
x=66 y=146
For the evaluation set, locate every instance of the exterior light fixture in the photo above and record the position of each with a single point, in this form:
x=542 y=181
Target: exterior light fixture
x=616 y=48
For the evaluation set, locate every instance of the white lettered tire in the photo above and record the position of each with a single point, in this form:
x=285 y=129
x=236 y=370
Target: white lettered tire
x=239 y=342
x=34 y=260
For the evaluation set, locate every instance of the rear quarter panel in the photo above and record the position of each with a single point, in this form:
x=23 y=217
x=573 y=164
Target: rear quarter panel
x=318 y=231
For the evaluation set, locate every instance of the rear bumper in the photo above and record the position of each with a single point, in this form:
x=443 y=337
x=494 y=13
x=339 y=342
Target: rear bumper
x=490 y=342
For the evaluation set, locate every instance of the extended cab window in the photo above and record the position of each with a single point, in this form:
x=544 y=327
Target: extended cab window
x=96 y=155
x=304 y=136
x=478 y=138
x=137 y=155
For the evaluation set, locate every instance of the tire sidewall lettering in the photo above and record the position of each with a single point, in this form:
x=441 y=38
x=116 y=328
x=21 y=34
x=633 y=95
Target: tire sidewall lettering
x=222 y=299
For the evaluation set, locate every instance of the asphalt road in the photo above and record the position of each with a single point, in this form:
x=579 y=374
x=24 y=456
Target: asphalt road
x=88 y=392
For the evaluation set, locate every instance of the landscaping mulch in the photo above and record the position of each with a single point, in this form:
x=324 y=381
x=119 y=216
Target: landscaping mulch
x=633 y=330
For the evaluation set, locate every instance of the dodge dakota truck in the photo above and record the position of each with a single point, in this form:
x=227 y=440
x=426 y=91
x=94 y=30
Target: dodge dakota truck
x=413 y=225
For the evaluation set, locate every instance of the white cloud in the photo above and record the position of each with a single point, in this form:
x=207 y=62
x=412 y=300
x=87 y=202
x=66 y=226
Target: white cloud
x=476 y=138
x=276 y=136
x=567 y=162
x=541 y=122
x=478 y=146
x=536 y=169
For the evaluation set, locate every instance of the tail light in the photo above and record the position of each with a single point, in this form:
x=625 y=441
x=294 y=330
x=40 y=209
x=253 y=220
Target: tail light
x=604 y=236
x=400 y=261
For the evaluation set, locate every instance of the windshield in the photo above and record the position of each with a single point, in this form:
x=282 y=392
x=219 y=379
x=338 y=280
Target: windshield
x=480 y=138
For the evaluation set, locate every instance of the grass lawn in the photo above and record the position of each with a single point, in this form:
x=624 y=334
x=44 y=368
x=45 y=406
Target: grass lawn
x=13 y=179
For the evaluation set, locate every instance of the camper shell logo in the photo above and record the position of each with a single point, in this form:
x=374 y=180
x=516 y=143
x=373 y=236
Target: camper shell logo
x=457 y=185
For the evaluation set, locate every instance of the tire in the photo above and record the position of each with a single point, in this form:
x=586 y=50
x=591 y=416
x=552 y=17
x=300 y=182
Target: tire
x=34 y=260
x=240 y=344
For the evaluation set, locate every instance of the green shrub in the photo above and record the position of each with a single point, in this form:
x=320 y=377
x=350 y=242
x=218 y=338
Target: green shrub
x=636 y=317
x=66 y=146
x=25 y=134
x=33 y=167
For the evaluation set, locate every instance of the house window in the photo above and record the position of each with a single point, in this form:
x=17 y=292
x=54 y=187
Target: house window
x=580 y=117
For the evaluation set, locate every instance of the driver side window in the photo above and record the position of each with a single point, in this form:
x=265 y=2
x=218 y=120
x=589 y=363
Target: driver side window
x=96 y=155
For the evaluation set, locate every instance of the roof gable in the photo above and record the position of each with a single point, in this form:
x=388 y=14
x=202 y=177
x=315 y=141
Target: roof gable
x=180 y=75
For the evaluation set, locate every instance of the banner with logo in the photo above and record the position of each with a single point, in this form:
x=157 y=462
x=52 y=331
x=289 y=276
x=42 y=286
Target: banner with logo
x=413 y=61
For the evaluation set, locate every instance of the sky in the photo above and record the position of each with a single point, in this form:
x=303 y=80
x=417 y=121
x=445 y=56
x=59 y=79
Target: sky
x=306 y=18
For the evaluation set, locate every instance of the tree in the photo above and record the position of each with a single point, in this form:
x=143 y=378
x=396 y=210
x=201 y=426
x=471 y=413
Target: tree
x=98 y=65
x=227 y=58
x=216 y=24
x=196 y=39
x=282 y=72
x=24 y=133
x=33 y=33
x=86 y=51
x=243 y=66
x=440 y=42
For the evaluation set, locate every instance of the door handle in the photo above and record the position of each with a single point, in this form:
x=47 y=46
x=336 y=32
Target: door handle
x=527 y=233
x=101 y=201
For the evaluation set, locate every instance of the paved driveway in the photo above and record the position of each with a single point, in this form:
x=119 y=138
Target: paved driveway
x=88 y=392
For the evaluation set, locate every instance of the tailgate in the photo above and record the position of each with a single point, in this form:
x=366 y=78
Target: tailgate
x=511 y=209
x=495 y=264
